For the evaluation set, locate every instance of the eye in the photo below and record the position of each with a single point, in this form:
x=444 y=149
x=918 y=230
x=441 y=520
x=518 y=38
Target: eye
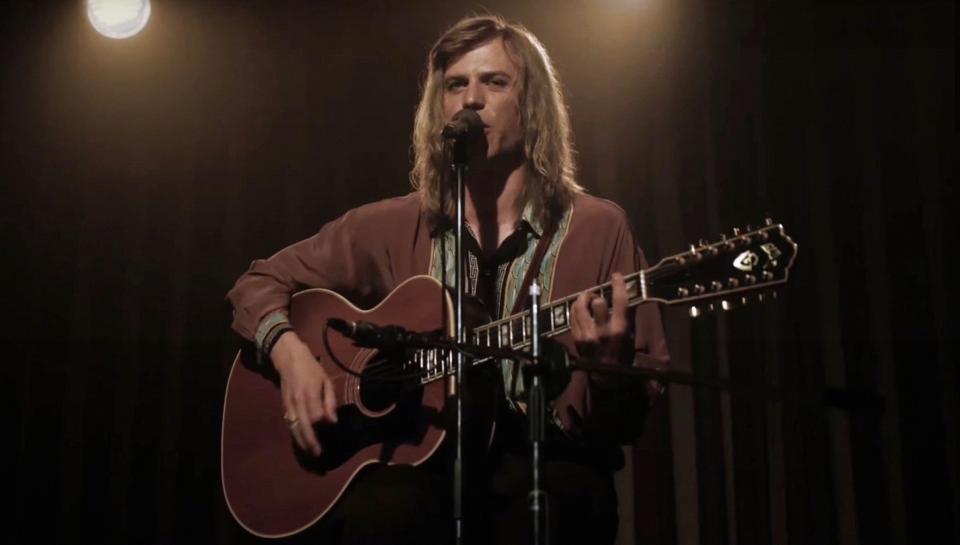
x=499 y=82
x=454 y=84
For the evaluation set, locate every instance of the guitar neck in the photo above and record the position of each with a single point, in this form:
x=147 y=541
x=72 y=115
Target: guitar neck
x=515 y=332
x=732 y=267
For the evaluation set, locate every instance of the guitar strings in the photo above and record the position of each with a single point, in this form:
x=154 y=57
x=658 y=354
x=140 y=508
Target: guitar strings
x=390 y=370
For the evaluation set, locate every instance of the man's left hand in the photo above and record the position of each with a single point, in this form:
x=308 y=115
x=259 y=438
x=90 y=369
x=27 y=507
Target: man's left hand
x=600 y=334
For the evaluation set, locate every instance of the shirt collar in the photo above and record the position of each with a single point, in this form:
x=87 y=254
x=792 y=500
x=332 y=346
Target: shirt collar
x=527 y=221
x=530 y=221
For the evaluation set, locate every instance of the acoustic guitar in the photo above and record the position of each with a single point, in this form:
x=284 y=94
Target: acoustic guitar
x=391 y=404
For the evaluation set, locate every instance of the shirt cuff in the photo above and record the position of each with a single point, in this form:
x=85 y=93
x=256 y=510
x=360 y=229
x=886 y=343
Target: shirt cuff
x=271 y=327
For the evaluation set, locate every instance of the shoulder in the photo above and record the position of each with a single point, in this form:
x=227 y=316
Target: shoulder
x=394 y=208
x=381 y=216
x=389 y=223
x=599 y=212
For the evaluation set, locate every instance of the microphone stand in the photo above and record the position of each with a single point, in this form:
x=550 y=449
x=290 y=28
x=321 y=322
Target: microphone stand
x=459 y=166
x=537 y=415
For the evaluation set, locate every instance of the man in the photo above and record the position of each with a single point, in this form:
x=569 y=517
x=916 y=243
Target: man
x=520 y=191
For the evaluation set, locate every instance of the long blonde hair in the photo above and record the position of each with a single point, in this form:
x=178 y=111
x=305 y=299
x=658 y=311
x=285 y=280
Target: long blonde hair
x=548 y=141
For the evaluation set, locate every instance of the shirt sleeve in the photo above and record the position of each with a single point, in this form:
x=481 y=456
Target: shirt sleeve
x=343 y=256
x=620 y=403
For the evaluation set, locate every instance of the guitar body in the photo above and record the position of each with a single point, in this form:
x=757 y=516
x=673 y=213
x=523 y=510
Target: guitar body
x=272 y=488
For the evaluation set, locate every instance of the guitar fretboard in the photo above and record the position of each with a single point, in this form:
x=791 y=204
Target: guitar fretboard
x=516 y=332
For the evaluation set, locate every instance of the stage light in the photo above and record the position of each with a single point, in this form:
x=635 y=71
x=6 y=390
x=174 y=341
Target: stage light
x=118 y=18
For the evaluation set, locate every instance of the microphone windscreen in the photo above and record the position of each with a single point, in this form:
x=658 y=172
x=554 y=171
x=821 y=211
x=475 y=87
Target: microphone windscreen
x=466 y=122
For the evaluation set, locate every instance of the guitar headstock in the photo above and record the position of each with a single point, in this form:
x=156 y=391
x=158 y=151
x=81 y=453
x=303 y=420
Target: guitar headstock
x=729 y=269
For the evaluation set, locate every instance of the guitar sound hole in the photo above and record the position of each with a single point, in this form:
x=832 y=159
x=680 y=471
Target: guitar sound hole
x=383 y=383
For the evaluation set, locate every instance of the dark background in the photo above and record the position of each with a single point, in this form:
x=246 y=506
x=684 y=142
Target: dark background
x=140 y=177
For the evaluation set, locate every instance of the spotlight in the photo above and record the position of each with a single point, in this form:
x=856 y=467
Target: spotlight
x=118 y=18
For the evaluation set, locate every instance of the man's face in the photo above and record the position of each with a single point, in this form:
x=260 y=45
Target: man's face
x=486 y=80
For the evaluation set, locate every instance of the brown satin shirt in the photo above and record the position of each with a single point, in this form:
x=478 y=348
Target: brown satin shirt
x=367 y=252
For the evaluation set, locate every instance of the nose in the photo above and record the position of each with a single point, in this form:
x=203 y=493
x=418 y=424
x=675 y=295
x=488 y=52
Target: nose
x=474 y=98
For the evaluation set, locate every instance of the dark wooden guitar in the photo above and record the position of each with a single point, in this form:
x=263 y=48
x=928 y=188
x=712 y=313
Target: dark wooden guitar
x=391 y=406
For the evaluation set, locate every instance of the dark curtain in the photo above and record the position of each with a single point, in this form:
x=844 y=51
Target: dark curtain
x=140 y=178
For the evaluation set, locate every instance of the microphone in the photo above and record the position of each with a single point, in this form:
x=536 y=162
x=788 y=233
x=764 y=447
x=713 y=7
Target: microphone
x=386 y=337
x=465 y=124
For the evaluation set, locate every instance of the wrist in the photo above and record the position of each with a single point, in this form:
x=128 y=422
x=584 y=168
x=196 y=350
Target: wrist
x=284 y=348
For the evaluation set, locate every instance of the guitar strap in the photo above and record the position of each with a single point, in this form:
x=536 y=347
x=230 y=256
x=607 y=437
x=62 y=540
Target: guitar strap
x=521 y=303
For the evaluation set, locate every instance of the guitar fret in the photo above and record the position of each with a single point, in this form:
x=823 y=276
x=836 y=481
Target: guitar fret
x=544 y=319
x=516 y=333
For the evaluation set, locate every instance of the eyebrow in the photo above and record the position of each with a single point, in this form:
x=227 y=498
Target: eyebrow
x=483 y=76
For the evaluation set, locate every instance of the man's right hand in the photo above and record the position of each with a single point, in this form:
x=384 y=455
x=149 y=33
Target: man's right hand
x=306 y=390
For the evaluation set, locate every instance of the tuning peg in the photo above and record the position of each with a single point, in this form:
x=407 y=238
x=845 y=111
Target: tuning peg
x=701 y=243
x=744 y=300
x=694 y=312
x=736 y=231
x=768 y=221
x=711 y=308
x=725 y=305
x=723 y=237
x=749 y=227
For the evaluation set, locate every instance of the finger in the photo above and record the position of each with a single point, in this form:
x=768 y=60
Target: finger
x=314 y=402
x=574 y=423
x=293 y=423
x=290 y=416
x=329 y=400
x=598 y=306
x=305 y=427
x=561 y=421
x=581 y=314
x=575 y=329
x=618 y=318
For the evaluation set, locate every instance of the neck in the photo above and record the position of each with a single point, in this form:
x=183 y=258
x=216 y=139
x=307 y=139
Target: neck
x=493 y=207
